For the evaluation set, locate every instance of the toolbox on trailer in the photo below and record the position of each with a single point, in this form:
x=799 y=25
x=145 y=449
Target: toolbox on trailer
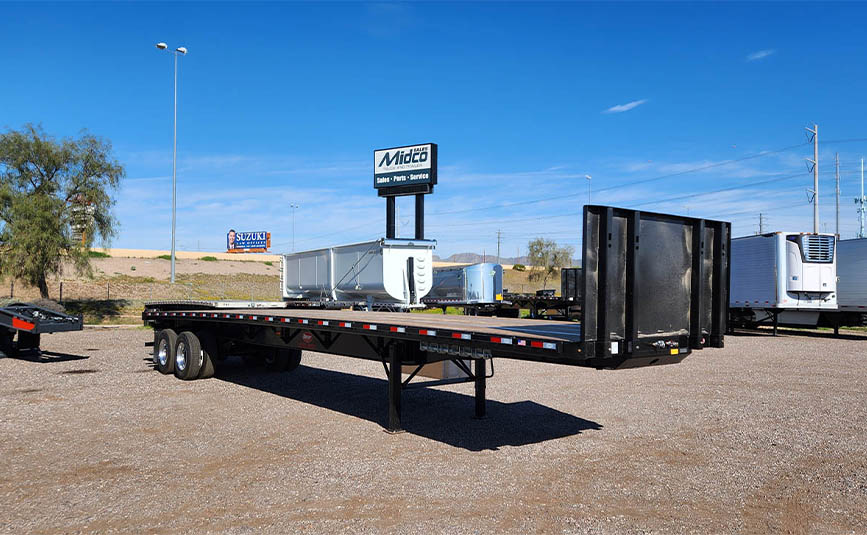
x=654 y=287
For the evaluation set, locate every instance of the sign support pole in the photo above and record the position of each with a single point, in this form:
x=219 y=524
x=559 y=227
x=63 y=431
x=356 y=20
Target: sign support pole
x=389 y=218
x=419 y=216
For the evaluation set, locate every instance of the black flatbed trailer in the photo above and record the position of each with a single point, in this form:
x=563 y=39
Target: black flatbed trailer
x=655 y=288
x=29 y=322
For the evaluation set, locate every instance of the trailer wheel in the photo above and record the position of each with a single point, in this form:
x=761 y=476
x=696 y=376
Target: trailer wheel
x=164 y=350
x=189 y=356
x=210 y=353
x=282 y=360
x=7 y=347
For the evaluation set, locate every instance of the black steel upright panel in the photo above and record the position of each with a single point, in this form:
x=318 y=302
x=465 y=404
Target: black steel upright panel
x=655 y=286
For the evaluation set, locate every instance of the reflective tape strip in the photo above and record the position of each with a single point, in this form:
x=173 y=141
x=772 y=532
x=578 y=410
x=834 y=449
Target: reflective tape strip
x=462 y=336
x=398 y=329
x=322 y=322
x=427 y=332
x=346 y=324
x=303 y=321
x=498 y=340
x=240 y=316
x=286 y=320
x=535 y=344
x=370 y=327
x=227 y=315
x=23 y=325
x=270 y=318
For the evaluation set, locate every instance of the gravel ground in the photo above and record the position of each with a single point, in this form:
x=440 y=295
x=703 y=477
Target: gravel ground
x=766 y=435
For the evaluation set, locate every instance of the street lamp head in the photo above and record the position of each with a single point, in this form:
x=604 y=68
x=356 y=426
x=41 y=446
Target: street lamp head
x=588 y=177
x=162 y=46
x=181 y=50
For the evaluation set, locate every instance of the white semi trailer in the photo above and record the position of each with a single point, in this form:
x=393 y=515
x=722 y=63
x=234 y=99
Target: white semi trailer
x=852 y=283
x=783 y=278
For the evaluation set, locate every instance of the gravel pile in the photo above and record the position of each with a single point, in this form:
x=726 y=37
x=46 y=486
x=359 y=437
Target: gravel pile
x=766 y=435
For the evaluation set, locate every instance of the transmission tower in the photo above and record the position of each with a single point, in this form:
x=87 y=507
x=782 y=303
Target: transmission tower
x=862 y=204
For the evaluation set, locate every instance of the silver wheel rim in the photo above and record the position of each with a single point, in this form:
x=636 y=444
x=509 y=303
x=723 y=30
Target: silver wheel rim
x=162 y=353
x=181 y=356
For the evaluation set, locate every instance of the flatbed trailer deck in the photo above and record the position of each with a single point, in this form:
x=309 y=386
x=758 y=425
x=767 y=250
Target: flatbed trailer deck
x=655 y=288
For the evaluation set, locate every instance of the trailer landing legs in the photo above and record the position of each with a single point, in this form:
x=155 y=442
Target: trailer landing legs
x=396 y=384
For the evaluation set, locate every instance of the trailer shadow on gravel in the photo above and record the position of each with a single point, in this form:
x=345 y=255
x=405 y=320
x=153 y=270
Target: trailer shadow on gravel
x=787 y=331
x=44 y=357
x=435 y=414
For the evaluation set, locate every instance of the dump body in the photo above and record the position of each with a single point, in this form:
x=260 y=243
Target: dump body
x=476 y=284
x=382 y=271
x=852 y=272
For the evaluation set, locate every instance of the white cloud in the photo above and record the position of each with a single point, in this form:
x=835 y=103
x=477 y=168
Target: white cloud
x=620 y=108
x=761 y=54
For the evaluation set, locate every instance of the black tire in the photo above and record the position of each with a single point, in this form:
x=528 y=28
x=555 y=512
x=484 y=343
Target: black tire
x=210 y=353
x=27 y=341
x=7 y=347
x=281 y=360
x=189 y=356
x=165 y=341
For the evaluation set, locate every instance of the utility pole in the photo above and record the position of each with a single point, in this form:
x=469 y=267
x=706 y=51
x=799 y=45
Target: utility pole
x=837 y=180
x=761 y=223
x=180 y=51
x=499 y=233
x=815 y=162
x=862 y=201
x=293 y=206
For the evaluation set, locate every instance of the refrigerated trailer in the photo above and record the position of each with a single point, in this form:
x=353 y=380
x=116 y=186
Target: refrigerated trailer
x=787 y=278
x=654 y=288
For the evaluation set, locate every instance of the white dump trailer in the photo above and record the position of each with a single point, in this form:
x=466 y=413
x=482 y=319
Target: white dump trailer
x=382 y=272
x=783 y=277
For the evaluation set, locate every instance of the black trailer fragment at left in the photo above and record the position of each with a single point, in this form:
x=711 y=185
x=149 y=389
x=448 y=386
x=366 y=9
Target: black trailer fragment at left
x=21 y=325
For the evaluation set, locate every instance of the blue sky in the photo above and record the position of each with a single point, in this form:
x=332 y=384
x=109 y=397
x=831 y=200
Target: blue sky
x=284 y=103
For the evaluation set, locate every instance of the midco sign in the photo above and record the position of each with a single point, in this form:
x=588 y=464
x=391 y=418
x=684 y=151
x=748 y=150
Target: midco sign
x=405 y=166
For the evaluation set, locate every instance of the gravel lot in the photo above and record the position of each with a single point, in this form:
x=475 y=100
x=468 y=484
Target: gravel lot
x=766 y=435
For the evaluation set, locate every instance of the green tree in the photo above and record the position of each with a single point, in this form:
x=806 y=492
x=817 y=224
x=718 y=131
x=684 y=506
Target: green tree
x=547 y=257
x=55 y=200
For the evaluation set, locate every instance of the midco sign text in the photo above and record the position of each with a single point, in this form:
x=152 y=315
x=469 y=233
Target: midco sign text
x=405 y=166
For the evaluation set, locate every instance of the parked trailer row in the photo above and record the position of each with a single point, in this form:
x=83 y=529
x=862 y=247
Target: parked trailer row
x=637 y=311
x=798 y=279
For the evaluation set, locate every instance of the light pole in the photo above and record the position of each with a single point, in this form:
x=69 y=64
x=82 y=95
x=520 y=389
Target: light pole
x=180 y=51
x=589 y=180
x=293 y=207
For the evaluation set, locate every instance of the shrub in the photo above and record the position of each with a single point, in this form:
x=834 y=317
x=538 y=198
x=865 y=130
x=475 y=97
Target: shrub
x=519 y=267
x=208 y=258
x=165 y=257
x=97 y=254
x=269 y=263
x=132 y=268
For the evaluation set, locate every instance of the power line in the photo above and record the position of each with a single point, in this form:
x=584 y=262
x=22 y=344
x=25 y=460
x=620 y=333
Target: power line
x=624 y=184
